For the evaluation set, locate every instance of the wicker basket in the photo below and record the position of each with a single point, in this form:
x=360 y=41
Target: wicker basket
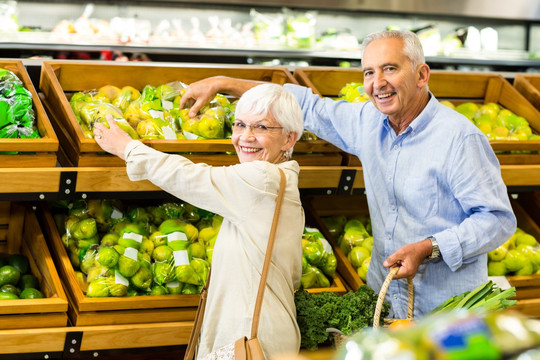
x=340 y=338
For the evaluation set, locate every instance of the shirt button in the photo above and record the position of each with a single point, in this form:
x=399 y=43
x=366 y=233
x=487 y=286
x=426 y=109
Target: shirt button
x=393 y=207
x=396 y=147
x=395 y=296
x=388 y=237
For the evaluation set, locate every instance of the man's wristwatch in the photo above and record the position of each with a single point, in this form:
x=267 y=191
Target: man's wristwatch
x=435 y=252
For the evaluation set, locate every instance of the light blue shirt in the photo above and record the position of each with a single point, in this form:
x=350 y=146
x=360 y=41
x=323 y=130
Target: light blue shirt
x=440 y=178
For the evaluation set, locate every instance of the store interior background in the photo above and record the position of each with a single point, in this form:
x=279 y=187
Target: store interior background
x=517 y=24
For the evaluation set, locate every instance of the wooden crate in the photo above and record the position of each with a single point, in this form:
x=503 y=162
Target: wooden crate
x=528 y=85
x=32 y=152
x=317 y=207
x=527 y=286
x=60 y=79
x=20 y=233
x=125 y=310
x=110 y=310
x=457 y=87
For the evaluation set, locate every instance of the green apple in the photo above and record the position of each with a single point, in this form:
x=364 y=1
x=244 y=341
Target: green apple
x=498 y=254
x=368 y=243
x=210 y=127
x=142 y=279
x=362 y=273
x=147 y=246
x=128 y=266
x=448 y=103
x=526 y=268
x=526 y=239
x=514 y=260
x=158 y=238
x=357 y=255
x=496 y=268
x=108 y=257
x=162 y=253
x=468 y=109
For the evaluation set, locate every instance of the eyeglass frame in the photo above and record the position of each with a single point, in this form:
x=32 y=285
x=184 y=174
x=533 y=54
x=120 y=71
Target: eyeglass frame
x=253 y=128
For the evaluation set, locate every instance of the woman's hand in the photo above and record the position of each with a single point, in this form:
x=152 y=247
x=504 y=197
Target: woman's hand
x=409 y=258
x=113 y=140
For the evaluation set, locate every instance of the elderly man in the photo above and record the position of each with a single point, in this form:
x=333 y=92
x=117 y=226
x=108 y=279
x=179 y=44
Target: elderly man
x=436 y=197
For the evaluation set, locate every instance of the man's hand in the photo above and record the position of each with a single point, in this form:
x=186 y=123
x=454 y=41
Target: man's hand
x=199 y=94
x=203 y=91
x=113 y=140
x=409 y=258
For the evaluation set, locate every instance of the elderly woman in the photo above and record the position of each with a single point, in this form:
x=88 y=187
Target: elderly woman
x=268 y=124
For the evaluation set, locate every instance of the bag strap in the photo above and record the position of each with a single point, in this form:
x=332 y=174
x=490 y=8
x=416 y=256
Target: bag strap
x=268 y=257
x=197 y=324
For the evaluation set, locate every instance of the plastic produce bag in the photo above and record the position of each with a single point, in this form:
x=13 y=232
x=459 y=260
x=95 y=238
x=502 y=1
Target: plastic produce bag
x=16 y=111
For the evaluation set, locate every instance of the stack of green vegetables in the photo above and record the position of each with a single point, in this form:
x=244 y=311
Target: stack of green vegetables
x=485 y=298
x=153 y=112
x=120 y=249
x=16 y=111
x=318 y=261
x=348 y=313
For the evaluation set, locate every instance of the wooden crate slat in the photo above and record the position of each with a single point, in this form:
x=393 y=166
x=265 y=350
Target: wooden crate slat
x=37 y=340
x=135 y=335
x=529 y=86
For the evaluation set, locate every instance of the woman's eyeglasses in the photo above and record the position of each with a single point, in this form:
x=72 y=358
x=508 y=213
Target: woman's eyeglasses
x=256 y=129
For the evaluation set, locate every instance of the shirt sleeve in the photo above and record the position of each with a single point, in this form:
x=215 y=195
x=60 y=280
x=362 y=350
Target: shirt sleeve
x=476 y=183
x=230 y=191
x=331 y=120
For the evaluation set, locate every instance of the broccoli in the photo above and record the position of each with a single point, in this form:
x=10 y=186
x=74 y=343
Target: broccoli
x=348 y=313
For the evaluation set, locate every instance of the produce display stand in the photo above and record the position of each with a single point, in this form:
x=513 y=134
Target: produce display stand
x=87 y=174
x=20 y=233
x=30 y=152
x=60 y=79
x=446 y=85
x=528 y=85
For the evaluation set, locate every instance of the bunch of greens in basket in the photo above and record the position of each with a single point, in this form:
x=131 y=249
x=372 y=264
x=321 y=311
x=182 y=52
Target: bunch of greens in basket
x=348 y=313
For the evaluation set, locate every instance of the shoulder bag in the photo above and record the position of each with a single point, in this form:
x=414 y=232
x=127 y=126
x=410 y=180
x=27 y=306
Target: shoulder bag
x=244 y=348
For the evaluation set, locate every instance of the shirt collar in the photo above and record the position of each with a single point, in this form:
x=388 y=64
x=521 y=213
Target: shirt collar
x=421 y=121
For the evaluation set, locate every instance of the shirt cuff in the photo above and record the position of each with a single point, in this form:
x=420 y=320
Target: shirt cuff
x=129 y=147
x=450 y=249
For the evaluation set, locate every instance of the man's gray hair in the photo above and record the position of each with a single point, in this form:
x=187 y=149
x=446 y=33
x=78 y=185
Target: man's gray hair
x=412 y=48
x=273 y=99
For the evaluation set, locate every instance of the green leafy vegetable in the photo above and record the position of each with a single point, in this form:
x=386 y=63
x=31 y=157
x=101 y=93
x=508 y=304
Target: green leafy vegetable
x=348 y=313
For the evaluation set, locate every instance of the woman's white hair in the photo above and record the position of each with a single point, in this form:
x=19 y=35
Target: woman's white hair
x=273 y=99
x=412 y=46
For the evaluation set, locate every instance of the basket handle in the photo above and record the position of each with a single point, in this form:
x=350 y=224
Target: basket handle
x=410 y=288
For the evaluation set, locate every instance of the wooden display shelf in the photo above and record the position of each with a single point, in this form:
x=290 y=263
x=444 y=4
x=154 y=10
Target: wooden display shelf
x=528 y=85
x=32 y=152
x=20 y=233
x=457 y=87
x=60 y=79
x=49 y=182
